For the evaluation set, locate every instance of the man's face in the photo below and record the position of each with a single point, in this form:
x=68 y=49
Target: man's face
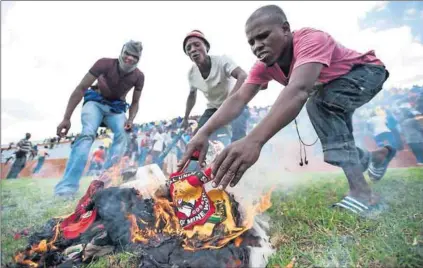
x=28 y=136
x=129 y=59
x=196 y=50
x=267 y=40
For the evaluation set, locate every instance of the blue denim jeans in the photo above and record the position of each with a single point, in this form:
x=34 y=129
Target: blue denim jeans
x=93 y=114
x=238 y=126
x=331 y=107
x=222 y=134
x=143 y=156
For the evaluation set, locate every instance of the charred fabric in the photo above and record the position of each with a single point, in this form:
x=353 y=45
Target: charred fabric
x=112 y=219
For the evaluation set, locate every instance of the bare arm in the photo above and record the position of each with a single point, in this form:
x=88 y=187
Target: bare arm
x=78 y=94
x=192 y=98
x=240 y=75
x=289 y=103
x=230 y=108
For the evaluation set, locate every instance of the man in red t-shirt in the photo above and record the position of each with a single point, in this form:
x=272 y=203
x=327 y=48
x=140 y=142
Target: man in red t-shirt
x=97 y=159
x=313 y=67
x=103 y=103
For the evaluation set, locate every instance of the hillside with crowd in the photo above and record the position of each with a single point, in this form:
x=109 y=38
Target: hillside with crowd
x=394 y=117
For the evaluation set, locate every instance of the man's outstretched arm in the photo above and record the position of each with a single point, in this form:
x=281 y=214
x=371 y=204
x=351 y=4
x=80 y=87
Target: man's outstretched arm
x=230 y=165
x=191 y=100
x=289 y=102
x=229 y=110
x=78 y=94
x=74 y=100
x=240 y=75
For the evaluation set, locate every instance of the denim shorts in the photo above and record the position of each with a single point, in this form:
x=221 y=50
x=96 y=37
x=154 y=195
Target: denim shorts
x=331 y=107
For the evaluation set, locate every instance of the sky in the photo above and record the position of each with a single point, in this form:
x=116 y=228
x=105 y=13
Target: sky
x=47 y=48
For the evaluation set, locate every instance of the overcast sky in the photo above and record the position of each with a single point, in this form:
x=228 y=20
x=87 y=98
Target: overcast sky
x=47 y=47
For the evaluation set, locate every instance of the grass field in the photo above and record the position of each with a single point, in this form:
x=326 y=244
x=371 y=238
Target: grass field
x=303 y=226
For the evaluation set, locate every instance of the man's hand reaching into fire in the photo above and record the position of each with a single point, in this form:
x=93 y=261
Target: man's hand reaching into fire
x=199 y=143
x=231 y=164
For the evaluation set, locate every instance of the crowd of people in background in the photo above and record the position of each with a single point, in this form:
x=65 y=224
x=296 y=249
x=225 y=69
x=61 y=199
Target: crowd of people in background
x=395 y=118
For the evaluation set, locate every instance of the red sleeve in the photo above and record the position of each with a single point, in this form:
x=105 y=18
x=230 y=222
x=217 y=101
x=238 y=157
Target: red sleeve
x=100 y=67
x=313 y=46
x=259 y=75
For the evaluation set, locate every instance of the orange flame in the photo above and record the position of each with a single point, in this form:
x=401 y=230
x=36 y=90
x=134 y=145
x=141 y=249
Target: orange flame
x=238 y=241
x=167 y=222
x=264 y=204
x=42 y=247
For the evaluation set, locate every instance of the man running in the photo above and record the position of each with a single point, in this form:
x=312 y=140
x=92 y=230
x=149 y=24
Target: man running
x=313 y=66
x=213 y=75
x=23 y=149
x=103 y=103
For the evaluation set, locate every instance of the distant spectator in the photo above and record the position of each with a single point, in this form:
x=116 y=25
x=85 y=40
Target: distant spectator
x=377 y=125
x=24 y=148
x=146 y=145
x=97 y=160
x=42 y=154
x=158 y=145
x=132 y=147
x=107 y=141
x=412 y=131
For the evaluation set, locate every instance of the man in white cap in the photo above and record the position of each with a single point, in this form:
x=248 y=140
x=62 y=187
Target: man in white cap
x=104 y=103
x=213 y=75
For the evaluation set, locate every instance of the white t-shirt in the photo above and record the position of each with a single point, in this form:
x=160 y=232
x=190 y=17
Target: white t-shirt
x=158 y=145
x=217 y=85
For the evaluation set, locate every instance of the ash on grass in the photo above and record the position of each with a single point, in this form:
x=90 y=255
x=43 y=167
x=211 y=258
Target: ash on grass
x=302 y=223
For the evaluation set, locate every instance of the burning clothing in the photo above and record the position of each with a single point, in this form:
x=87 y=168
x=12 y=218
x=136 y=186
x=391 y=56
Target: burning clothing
x=121 y=219
x=194 y=206
x=116 y=106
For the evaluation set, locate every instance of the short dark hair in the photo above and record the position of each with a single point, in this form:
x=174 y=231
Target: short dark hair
x=273 y=12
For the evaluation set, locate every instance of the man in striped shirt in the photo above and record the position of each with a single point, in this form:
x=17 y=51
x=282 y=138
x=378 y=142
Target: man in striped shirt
x=23 y=148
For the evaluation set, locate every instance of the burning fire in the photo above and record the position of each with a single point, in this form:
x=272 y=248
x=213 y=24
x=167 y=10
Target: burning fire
x=42 y=247
x=166 y=222
x=207 y=236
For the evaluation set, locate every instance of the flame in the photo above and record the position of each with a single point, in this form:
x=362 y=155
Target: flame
x=166 y=222
x=264 y=204
x=234 y=263
x=42 y=247
x=20 y=258
x=238 y=241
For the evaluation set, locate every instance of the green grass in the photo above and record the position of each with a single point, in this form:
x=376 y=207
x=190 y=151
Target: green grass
x=302 y=224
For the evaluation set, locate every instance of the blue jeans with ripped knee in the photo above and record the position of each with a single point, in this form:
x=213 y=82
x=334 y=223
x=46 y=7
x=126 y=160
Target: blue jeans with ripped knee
x=93 y=114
